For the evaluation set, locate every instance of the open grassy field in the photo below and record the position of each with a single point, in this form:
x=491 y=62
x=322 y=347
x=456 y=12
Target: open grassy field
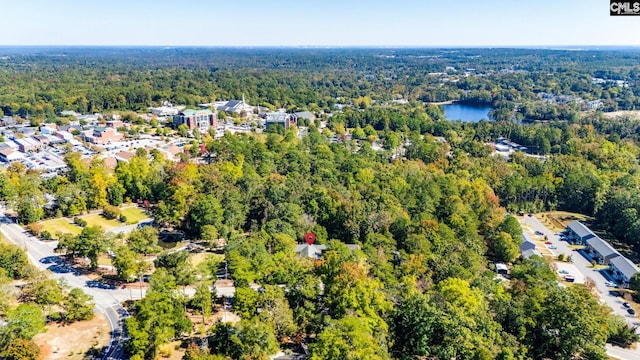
x=558 y=220
x=199 y=258
x=99 y=220
x=134 y=214
x=61 y=225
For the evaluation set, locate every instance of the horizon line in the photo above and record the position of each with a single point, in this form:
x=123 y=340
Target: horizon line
x=513 y=46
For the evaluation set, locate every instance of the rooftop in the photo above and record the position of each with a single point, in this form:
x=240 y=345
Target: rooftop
x=602 y=247
x=625 y=266
x=581 y=230
x=190 y=112
x=277 y=117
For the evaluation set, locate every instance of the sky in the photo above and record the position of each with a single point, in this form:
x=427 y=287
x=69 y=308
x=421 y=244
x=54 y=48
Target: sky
x=316 y=23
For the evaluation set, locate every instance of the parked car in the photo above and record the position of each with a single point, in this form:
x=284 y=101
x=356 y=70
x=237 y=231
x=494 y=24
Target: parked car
x=552 y=247
x=611 y=284
x=548 y=242
x=627 y=305
x=569 y=278
x=538 y=233
x=631 y=311
x=563 y=272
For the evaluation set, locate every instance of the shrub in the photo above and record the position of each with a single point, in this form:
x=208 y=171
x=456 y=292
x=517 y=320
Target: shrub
x=45 y=235
x=111 y=212
x=80 y=222
x=35 y=228
x=123 y=219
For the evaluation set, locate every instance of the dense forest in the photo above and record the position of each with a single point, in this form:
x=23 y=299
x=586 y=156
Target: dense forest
x=43 y=82
x=430 y=215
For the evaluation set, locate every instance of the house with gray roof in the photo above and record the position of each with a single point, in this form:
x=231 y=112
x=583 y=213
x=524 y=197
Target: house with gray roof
x=314 y=251
x=601 y=251
x=623 y=269
x=528 y=247
x=578 y=233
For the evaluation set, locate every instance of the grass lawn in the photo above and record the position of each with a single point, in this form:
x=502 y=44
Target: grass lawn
x=99 y=220
x=558 y=220
x=167 y=245
x=134 y=214
x=199 y=258
x=55 y=226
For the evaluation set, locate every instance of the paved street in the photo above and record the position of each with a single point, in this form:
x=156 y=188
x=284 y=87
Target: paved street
x=583 y=266
x=107 y=299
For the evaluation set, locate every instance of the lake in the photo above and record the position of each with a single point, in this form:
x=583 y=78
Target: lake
x=466 y=113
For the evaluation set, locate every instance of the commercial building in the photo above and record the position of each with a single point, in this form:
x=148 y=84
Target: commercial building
x=28 y=145
x=9 y=155
x=103 y=135
x=279 y=118
x=196 y=119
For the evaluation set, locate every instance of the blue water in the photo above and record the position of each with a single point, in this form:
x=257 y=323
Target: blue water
x=466 y=113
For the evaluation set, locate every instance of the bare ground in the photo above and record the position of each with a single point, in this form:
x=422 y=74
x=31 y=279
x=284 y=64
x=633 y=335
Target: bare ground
x=71 y=342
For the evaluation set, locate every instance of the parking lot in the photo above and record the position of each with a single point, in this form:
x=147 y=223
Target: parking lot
x=580 y=267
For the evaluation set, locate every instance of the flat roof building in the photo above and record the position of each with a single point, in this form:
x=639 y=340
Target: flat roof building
x=196 y=119
x=279 y=118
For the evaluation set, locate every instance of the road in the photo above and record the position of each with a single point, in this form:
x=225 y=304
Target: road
x=583 y=265
x=106 y=298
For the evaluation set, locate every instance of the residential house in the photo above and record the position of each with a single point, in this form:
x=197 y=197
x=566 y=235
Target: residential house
x=600 y=251
x=623 y=269
x=314 y=251
x=578 y=233
x=528 y=248
x=196 y=119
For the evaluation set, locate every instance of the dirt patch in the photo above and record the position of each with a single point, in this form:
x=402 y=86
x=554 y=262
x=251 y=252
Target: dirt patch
x=629 y=113
x=73 y=341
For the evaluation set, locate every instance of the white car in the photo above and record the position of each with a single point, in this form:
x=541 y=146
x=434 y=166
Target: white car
x=552 y=247
x=611 y=284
